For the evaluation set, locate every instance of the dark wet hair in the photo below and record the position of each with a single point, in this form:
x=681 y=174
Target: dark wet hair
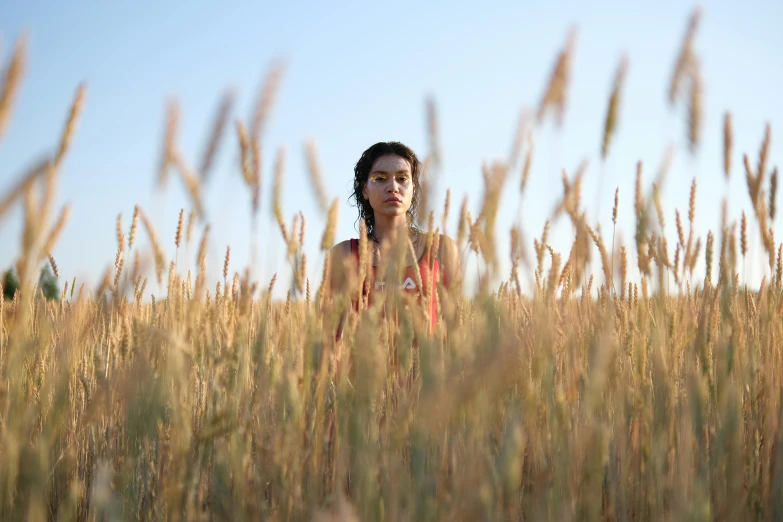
x=362 y=172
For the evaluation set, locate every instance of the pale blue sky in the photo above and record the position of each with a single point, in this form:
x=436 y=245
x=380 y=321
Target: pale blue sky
x=357 y=75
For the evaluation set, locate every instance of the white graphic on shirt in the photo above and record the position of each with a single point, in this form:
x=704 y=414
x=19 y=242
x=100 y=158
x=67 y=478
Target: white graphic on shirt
x=409 y=284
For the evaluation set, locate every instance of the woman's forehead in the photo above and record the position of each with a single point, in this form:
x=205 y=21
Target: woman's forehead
x=390 y=163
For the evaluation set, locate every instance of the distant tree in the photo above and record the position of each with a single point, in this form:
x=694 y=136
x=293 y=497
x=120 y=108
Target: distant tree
x=10 y=284
x=47 y=282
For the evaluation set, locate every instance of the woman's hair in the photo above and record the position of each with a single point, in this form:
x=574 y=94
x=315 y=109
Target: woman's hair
x=362 y=172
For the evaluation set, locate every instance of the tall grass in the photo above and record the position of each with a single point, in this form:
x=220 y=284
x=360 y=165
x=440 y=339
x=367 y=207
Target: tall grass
x=580 y=400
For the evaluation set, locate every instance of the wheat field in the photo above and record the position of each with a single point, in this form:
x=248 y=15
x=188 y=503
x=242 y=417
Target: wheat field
x=619 y=388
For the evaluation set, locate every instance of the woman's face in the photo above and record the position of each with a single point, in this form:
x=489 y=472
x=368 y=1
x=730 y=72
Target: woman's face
x=389 y=186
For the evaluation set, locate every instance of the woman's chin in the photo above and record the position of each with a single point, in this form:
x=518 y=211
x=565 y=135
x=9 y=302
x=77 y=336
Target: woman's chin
x=392 y=209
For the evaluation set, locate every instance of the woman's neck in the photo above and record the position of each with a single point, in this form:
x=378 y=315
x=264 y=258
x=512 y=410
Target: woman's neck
x=388 y=228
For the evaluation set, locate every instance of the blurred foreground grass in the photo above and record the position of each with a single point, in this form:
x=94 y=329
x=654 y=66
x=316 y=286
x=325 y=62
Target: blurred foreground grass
x=586 y=400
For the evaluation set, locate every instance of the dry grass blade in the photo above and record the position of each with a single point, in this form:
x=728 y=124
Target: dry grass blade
x=245 y=154
x=728 y=141
x=201 y=256
x=70 y=124
x=744 y=234
x=134 y=226
x=623 y=270
x=692 y=202
x=302 y=228
x=54 y=266
x=169 y=141
x=750 y=179
x=554 y=97
x=522 y=132
x=189 y=227
x=773 y=193
x=526 y=166
x=616 y=205
x=216 y=135
x=192 y=183
x=118 y=264
x=178 y=233
x=11 y=80
x=159 y=256
x=39 y=169
x=226 y=262
x=266 y=98
x=59 y=226
x=316 y=176
x=572 y=192
x=763 y=155
x=614 y=106
x=327 y=240
x=277 y=190
x=659 y=206
x=680 y=230
x=119 y=233
x=695 y=107
x=685 y=56
x=433 y=135
x=604 y=256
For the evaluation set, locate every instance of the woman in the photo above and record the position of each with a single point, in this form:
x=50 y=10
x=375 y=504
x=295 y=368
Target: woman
x=387 y=189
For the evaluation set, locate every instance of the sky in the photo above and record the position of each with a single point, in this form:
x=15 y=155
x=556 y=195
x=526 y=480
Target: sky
x=358 y=75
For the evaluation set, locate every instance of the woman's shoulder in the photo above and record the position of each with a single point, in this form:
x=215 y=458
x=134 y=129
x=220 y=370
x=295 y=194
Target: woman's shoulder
x=446 y=245
x=341 y=249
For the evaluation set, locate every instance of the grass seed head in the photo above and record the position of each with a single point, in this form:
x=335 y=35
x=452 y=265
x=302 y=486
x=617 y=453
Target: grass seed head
x=773 y=193
x=54 y=266
x=614 y=107
x=216 y=134
x=178 y=234
x=12 y=78
x=728 y=139
x=554 y=98
x=684 y=58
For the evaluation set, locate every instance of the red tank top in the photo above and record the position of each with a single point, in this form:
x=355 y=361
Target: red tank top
x=429 y=278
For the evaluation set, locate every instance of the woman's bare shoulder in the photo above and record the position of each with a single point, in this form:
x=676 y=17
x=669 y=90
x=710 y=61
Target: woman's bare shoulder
x=341 y=249
x=448 y=254
x=446 y=245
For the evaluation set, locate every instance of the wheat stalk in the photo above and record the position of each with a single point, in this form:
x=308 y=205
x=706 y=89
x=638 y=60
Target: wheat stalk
x=216 y=135
x=773 y=192
x=160 y=258
x=191 y=181
x=11 y=80
x=70 y=124
x=38 y=169
x=695 y=106
x=134 y=226
x=316 y=177
x=277 y=195
x=684 y=57
x=554 y=97
x=59 y=226
x=265 y=99
x=169 y=141
x=614 y=106
x=54 y=266
x=728 y=141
